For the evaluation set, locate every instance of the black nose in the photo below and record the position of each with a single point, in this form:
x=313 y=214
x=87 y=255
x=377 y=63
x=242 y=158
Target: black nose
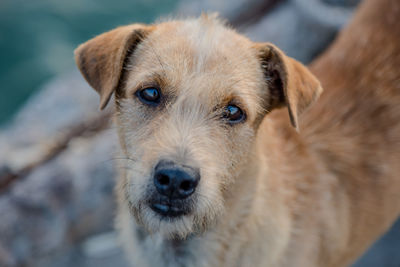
x=175 y=181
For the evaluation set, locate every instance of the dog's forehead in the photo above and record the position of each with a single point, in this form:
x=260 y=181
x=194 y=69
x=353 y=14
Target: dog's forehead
x=195 y=56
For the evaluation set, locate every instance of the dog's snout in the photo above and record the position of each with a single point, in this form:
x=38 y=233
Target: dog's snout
x=175 y=181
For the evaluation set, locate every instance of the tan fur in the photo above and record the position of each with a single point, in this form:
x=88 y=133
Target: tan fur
x=268 y=195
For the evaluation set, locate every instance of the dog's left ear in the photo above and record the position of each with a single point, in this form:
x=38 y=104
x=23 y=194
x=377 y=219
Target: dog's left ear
x=101 y=60
x=290 y=82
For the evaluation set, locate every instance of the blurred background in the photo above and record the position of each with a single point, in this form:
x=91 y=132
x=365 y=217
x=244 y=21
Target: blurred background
x=57 y=150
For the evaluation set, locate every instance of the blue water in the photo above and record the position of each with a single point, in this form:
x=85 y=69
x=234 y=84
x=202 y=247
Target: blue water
x=37 y=38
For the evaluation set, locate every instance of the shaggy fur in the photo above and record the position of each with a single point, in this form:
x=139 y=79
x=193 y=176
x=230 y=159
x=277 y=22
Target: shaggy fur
x=269 y=194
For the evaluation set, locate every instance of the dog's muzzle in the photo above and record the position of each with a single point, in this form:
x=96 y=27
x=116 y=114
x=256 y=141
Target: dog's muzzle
x=174 y=185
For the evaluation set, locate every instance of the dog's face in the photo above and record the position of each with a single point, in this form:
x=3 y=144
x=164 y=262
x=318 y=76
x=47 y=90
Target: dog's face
x=190 y=96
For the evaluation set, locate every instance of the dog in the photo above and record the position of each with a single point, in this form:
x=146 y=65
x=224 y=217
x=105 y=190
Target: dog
x=228 y=160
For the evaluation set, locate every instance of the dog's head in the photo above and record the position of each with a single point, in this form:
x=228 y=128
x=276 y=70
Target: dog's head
x=190 y=96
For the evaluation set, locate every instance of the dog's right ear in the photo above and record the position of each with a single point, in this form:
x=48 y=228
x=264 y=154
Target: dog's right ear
x=101 y=60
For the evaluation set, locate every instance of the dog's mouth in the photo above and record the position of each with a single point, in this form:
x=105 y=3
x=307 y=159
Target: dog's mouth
x=170 y=208
x=167 y=210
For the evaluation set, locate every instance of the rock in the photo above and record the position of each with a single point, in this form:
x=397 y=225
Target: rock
x=63 y=102
x=301 y=28
x=385 y=251
x=61 y=202
x=235 y=7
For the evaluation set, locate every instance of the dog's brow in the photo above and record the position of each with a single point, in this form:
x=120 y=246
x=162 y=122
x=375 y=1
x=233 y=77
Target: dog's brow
x=151 y=79
x=150 y=42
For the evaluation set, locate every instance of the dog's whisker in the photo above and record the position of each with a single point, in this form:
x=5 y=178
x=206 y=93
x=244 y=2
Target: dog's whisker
x=120 y=159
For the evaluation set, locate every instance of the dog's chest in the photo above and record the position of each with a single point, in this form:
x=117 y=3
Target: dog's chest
x=160 y=252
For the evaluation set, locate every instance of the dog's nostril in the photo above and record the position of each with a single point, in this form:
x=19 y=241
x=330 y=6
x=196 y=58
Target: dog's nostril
x=186 y=186
x=163 y=179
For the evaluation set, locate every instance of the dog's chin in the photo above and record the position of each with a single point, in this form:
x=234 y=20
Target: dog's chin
x=174 y=219
x=168 y=222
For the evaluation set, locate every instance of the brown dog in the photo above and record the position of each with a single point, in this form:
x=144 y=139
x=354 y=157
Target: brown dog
x=213 y=179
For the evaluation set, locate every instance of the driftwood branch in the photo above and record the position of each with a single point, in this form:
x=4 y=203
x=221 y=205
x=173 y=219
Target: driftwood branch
x=54 y=146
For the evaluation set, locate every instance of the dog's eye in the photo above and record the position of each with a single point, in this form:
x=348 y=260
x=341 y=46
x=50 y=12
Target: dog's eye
x=233 y=114
x=149 y=96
